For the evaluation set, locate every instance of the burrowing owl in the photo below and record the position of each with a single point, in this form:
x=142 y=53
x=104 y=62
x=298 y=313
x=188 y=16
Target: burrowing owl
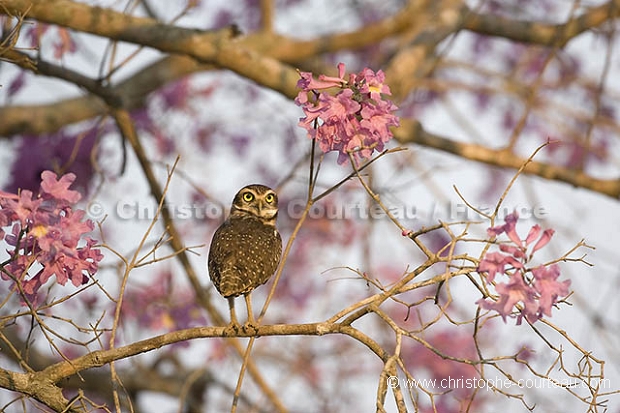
x=246 y=248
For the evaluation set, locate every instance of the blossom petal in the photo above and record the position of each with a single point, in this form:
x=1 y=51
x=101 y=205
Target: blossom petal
x=533 y=234
x=544 y=239
x=59 y=188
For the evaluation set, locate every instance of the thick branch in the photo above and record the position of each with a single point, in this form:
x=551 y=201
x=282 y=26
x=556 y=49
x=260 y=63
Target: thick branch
x=39 y=389
x=41 y=119
x=40 y=385
x=541 y=33
x=294 y=51
x=207 y=47
x=118 y=26
x=216 y=48
x=60 y=72
x=99 y=358
x=147 y=379
x=200 y=44
x=413 y=132
x=270 y=72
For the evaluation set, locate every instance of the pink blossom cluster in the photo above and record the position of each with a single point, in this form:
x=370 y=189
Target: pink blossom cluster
x=537 y=289
x=356 y=120
x=45 y=229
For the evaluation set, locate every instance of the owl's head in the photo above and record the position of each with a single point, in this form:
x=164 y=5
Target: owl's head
x=256 y=200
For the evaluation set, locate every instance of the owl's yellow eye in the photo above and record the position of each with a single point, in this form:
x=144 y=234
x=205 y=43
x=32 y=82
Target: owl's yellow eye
x=270 y=198
x=248 y=197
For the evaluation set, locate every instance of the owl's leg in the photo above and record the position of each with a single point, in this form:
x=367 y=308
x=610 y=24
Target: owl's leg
x=248 y=304
x=233 y=316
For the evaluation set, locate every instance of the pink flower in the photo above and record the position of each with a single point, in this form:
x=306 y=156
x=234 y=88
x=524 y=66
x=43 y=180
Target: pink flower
x=307 y=81
x=548 y=288
x=59 y=189
x=72 y=227
x=539 y=291
x=65 y=43
x=494 y=262
x=46 y=229
x=20 y=207
x=336 y=81
x=516 y=252
x=511 y=293
x=374 y=83
x=544 y=239
x=356 y=120
x=509 y=228
x=377 y=119
x=533 y=234
x=439 y=364
x=339 y=108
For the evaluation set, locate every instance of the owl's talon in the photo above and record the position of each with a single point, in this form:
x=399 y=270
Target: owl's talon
x=251 y=327
x=234 y=326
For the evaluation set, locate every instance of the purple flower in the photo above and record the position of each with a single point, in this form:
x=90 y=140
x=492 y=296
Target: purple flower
x=176 y=95
x=356 y=120
x=145 y=122
x=34 y=32
x=160 y=305
x=17 y=84
x=38 y=153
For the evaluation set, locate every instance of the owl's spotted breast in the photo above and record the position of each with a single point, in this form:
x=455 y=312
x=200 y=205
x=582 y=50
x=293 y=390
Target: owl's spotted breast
x=244 y=255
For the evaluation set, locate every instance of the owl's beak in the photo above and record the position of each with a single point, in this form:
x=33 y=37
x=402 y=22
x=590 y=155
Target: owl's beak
x=266 y=211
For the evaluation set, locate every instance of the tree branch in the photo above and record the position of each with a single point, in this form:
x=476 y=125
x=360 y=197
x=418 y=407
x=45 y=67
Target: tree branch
x=413 y=132
x=48 y=118
x=241 y=56
x=541 y=33
x=29 y=384
x=119 y=26
x=99 y=358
